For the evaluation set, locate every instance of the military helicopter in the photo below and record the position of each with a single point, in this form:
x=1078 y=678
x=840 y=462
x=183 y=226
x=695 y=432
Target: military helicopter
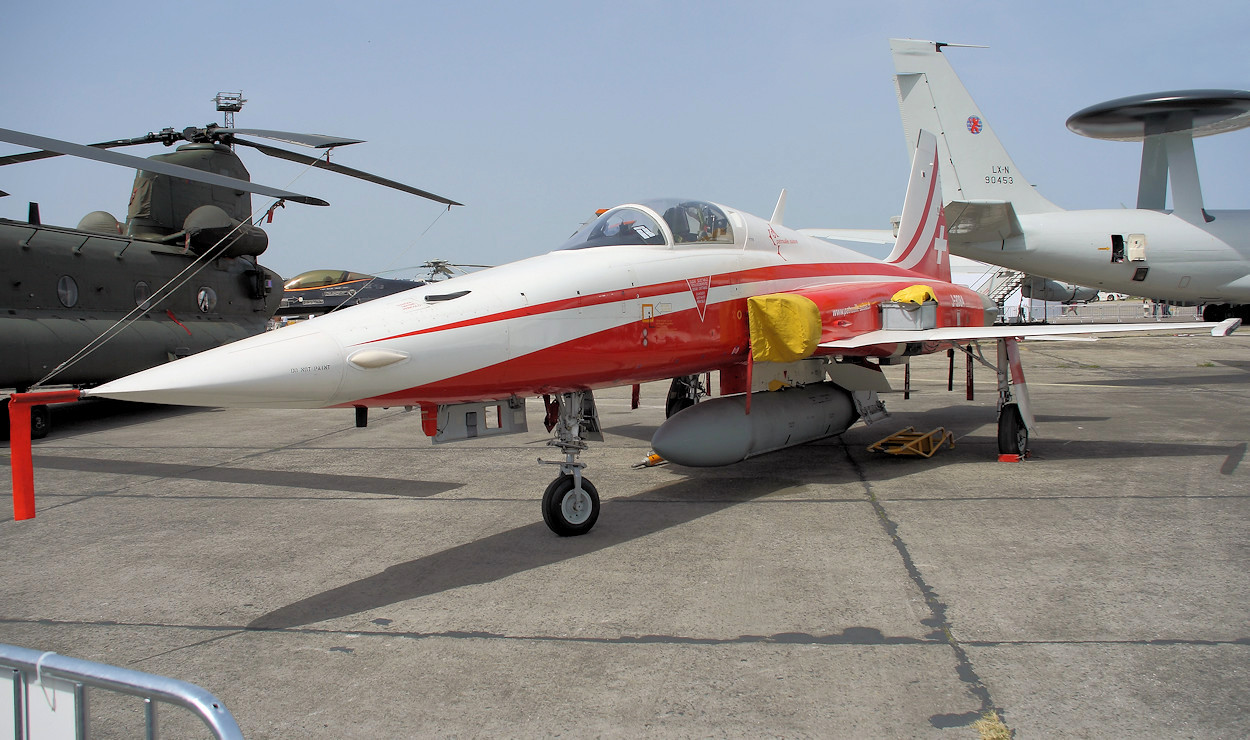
x=179 y=276
x=317 y=292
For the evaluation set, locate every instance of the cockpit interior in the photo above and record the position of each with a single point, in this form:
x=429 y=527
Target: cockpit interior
x=667 y=221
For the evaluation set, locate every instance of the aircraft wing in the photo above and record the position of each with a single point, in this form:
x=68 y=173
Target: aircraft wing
x=971 y=221
x=884 y=237
x=1048 y=331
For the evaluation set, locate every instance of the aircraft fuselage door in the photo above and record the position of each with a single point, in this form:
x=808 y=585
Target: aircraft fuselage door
x=1137 y=247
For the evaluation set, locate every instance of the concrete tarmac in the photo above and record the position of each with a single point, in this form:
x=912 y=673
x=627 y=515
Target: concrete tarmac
x=326 y=581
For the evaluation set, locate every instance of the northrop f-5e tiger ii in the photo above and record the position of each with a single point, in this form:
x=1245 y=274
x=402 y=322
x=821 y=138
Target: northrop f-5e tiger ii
x=647 y=291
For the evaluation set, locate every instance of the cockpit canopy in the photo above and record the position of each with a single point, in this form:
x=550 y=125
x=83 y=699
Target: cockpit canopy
x=322 y=278
x=664 y=221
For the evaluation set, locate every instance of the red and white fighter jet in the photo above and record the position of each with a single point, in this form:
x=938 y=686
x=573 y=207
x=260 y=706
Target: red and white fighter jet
x=647 y=291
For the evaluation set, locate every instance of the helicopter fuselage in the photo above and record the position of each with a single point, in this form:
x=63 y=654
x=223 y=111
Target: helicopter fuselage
x=65 y=287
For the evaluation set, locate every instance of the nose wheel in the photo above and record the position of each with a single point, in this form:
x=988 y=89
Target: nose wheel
x=570 y=505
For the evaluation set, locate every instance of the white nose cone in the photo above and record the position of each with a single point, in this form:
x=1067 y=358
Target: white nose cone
x=283 y=369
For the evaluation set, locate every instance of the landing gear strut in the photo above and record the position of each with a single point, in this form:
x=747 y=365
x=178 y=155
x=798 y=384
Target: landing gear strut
x=685 y=391
x=1014 y=415
x=571 y=503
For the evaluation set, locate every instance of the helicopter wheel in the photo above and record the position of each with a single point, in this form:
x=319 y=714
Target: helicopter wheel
x=40 y=421
x=570 y=511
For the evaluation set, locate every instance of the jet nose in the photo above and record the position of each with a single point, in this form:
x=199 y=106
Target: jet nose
x=288 y=368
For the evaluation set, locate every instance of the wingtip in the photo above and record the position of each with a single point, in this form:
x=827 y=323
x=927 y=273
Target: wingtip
x=1225 y=327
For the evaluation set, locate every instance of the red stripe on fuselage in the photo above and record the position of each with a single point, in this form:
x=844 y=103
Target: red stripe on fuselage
x=675 y=344
x=753 y=275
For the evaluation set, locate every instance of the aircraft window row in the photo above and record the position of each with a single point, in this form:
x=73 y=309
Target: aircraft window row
x=67 y=293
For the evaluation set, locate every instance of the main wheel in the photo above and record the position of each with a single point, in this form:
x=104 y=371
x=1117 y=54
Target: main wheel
x=568 y=511
x=1013 y=435
x=40 y=421
x=1216 y=312
x=679 y=396
x=675 y=404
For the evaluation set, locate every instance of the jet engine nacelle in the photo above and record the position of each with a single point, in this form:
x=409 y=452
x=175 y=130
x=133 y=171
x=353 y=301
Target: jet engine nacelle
x=720 y=431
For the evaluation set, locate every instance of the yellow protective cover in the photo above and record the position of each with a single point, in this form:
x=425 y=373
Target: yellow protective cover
x=784 y=327
x=914 y=294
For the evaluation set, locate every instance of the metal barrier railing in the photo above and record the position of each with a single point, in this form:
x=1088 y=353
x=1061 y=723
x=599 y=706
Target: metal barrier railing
x=46 y=693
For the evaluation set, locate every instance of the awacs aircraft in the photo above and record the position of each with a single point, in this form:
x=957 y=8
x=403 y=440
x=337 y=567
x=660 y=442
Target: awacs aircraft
x=647 y=291
x=1188 y=255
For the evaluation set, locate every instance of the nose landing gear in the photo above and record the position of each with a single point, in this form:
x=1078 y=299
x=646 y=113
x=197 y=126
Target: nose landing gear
x=571 y=502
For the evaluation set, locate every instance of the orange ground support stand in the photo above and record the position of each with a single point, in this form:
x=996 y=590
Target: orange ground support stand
x=19 y=446
x=910 y=442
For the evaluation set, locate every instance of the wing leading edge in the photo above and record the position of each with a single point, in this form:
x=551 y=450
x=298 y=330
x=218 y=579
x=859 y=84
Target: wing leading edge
x=969 y=333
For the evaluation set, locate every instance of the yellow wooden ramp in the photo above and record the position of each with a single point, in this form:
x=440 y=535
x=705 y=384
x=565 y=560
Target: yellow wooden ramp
x=910 y=442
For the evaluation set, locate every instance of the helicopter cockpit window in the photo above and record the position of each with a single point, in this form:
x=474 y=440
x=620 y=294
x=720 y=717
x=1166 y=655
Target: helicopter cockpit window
x=618 y=227
x=694 y=221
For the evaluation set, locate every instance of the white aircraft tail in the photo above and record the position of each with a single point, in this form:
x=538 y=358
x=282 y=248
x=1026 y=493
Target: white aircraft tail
x=931 y=97
x=921 y=243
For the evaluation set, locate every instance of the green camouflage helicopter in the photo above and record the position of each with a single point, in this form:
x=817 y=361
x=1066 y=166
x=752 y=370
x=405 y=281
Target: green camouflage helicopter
x=179 y=276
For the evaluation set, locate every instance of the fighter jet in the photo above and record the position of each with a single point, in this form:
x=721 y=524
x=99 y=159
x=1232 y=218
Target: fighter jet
x=798 y=329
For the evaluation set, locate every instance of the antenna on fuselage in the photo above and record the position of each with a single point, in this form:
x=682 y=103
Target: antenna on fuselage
x=780 y=211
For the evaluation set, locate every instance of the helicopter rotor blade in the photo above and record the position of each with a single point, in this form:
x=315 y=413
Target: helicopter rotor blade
x=45 y=153
x=318 y=141
x=360 y=174
x=149 y=165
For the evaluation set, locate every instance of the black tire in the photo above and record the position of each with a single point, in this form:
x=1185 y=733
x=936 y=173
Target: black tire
x=675 y=404
x=680 y=395
x=570 y=513
x=1013 y=435
x=40 y=422
x=1215 y=312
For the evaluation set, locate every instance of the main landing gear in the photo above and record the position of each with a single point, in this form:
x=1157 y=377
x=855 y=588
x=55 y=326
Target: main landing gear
x=571 y=502
x=1014 y=415
x=1013 y=435
x=684 y=392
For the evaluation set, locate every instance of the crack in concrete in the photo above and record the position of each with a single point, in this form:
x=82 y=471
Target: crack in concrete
x=937 y=610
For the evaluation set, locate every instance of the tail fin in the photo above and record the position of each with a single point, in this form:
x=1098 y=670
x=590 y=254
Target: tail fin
x=921 y=243
x=931 y=97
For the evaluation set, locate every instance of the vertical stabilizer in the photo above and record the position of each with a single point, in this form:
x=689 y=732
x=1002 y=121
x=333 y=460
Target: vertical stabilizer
x=921 y=243
x=931 y=97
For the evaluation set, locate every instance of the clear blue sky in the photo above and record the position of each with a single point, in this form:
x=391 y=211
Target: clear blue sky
x=536 y=114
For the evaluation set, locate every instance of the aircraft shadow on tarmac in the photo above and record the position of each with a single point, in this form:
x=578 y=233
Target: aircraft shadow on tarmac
x=1184 y=381
x=102 y=414
x=514 y=551
x=703 y=492
x=251 y=476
